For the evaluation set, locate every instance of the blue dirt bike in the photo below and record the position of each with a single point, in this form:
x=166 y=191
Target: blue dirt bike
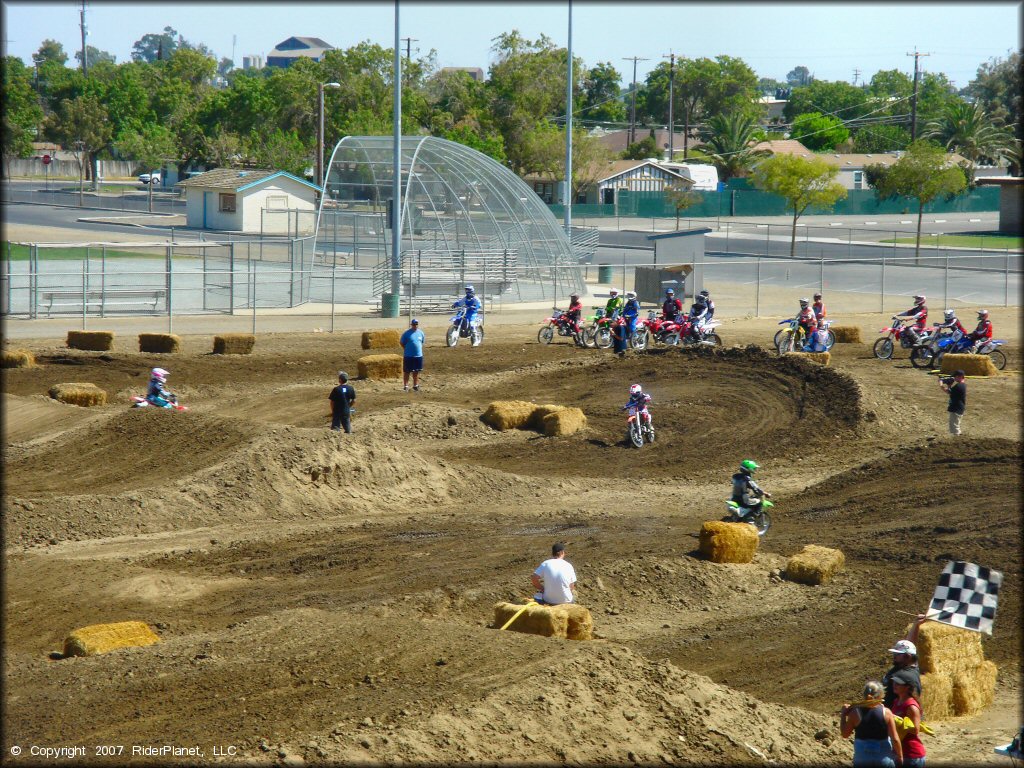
x=930 y=355
x=460 y=328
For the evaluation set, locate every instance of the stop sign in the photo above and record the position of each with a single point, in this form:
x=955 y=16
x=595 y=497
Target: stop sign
x=46 y=159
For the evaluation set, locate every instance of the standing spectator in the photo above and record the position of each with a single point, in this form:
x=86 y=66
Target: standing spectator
x=619 y=339
x=555 y=579
x=957 y=389
x=904 y=662
x=412 y=355
x=876 y=741
x=907 y=707
x=342 y=397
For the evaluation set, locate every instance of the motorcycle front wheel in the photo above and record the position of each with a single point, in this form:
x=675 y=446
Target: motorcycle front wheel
x=588 y=338
x=785 y=343
x=998 y=359
x=883 y=349
x=762 y=522
x=602 y=338
x=638 y=340
x=921 y=357
x=778 y=335
x=452 y=337
x=634 y=435
x=545 y=335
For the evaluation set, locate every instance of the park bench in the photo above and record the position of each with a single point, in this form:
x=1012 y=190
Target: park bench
x=119 y=297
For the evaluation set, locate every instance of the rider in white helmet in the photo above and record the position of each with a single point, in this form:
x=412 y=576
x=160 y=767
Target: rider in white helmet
x=472 y=305
x=631 y=312
x=158 y=394
x=983 y=333
x=919 y=314
x=639 y=399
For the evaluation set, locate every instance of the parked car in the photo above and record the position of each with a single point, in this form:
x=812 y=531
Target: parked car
x=149 y=178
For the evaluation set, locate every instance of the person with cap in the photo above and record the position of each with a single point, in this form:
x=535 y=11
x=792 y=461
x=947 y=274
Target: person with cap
x=555 y=579
x=957 y=389
x=904 y=662
x=342 y=397
x=412 y=355
x=876 y=739
x=613 y=308
x=671 y=307
x=908 y=708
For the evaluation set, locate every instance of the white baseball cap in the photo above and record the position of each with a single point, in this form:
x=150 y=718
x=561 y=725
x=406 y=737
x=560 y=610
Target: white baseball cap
x=904 y=646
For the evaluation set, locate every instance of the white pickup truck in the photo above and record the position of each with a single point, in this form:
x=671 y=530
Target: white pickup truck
x=149 y=178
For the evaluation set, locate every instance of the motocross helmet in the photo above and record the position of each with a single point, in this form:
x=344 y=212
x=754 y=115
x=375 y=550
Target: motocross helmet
x=469 y=290
x=949 y=314
x=918 y=300
x=804 y=303
x=983 y=314
x=613 y=292
x=635 y=389
x=574 y=296
x=817 y=296
x=160 y=374
x=669 y=292
x=749 y=466
x=630 y=294
x=704 y=295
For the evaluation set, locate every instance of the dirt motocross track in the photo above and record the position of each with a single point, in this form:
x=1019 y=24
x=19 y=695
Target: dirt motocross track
x=327 y=598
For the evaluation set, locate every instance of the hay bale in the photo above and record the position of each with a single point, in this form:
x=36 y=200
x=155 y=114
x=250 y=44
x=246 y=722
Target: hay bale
x=380 y=367
x=974 y=689
x=948 y=650
x=233 y=344
x=821 y=358
x=17 y=358
x=102 y=638
x=540 y=412
x=79 y=393
x=508 y=414
x=159 y=342
x=972 y=365
x=846 y=334
x=728 y=542
x=387 y=338
x=936 y=696
x=565 y=421
x=95 y=341
x=568 y=622
x=814 y=565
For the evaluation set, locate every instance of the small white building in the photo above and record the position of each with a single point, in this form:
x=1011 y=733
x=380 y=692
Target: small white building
x=255 y=201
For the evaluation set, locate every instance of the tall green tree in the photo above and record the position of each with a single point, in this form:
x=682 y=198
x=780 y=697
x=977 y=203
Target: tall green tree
x=95 y=56
x=729 y=143
x=838 y=99
x=924 y=173
x=816 y=131
x=881 y=138
x=50 y=50
x=156 y=45
x=799 y=75
x=967 y=129
x=81 y=124
x=22 y=114
x=602 y=94
x=802 y=182
x=998 y=87
x=150 y=148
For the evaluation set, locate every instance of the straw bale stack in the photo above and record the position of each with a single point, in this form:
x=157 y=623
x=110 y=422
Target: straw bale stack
x=948 y=649
x=974 y=689
x=954 y=657
x=814 y=565
x=728 y=542
x=565 y=421
x=540 y=412
x=936 y=696
x=233 y=344
x=94 y=341
x=17 y=358
x=102 y=638
x=159 y=342
x=972 y=365
x=846 y=334
x=79 y=393
x=387 y=338
x=508 y=414
x=821 y=358
x=568 y=622
x=380 y=367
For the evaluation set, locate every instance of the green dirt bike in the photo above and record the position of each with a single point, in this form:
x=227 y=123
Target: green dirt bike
x=599 y=332
x=761 y=520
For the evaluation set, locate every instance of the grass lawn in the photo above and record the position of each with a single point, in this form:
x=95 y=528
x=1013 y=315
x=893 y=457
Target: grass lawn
x=995 y=242
x=20 y=253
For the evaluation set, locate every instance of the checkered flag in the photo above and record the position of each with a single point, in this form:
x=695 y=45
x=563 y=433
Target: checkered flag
x=966 y=596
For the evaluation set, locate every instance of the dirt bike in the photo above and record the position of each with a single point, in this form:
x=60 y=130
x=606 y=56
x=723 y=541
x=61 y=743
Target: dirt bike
x=658 y=327
x=761 y=520
x=639 y=339
x=599 y=332
x=826 y=324
x=683 y=336
x=460 y=329
x=638 y=425
x=560 y=324
x=923 y=355
x=965 y=346
x=172 y=403
x=899 y=332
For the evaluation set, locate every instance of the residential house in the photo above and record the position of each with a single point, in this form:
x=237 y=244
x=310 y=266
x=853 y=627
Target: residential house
x=294 y=48
x=253 y=201
x=608 y=178
x=618 y=141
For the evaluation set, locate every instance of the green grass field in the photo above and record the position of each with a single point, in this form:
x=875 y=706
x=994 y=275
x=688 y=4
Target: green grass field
x=17 y=252
x=993 y=242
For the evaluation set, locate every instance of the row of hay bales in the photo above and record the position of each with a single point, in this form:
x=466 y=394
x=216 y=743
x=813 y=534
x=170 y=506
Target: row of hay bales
x=972 y=365
x=551 y=420
x=722 y=542
x=161 y=343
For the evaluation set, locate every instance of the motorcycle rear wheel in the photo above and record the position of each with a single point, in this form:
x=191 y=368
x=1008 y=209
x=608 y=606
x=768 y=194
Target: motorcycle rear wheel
x=921 y=357
x=545 y=334
x=762 y=522
x=998 y=359
x=588 y=338
x=672 y=339
x=883 y=349
x=634 y=435
x=714 y=337
x=830 y=339
x=452 y=337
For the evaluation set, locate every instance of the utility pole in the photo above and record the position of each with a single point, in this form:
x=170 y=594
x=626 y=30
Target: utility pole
x=913 y=99
x=856 y=74
x=234 y=41
x=408 y=46
x=632 y=115
x=85 y=34
x=671 y=94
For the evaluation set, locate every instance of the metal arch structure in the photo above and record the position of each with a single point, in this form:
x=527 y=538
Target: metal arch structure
x=465 y=218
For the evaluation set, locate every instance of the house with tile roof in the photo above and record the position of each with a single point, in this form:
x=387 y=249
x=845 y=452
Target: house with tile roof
x=252 y=201
x=295 y=48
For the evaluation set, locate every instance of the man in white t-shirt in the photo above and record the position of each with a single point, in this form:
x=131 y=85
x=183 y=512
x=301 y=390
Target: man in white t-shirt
x=555 y=579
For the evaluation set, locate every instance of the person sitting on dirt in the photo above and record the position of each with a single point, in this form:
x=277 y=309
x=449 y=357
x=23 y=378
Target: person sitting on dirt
x=640 y=400
x=631 y=312
x=671 y=307
x=808 y=321
x=574 y=312
x=876 y=739
x=919 y=314
x=950 y=325
x=983 y=333
x=471 y=304
x=614 y=306
x=555 y=579
x=819 y=308
x=697 y=316
x=158 y=394
x=745 y=491
x=710 y=304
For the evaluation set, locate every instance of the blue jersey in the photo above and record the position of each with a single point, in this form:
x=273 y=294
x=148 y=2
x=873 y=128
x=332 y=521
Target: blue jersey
x=472 y=305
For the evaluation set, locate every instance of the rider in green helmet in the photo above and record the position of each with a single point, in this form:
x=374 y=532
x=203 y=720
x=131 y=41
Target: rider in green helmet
x=745 y=491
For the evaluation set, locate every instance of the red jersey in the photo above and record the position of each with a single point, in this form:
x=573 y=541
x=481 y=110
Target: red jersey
x=983 y=331
x=808 y=319
x=819 y=310
x=918 y=314
x=671 y=308
x=912 y=746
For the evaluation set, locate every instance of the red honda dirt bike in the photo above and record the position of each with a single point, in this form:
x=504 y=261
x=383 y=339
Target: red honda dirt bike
x=898 y=333
x=558 y=323
x=638 y=425
x=684 y=336
x=658 y=327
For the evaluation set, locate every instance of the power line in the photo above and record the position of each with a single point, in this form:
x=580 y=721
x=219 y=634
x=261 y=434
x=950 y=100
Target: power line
x=913 y=103
x=632 y=117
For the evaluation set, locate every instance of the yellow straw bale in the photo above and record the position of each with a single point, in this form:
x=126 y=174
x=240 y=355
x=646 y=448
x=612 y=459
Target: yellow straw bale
x=233 y=344
x=974 y=689
x=728 y=542
x=846 y=334
x=948 y=649
x=159 y=342
x=569 y=621
x=17 y=358
x=79 y=393
x=814 y=564
x=380 y=367
x=540 y=412
x=936 y=696
x=972 y=365
x=96 y=341
x=566 y=421
x=821 y=358
x=388 y=338
x=508 y=414
x=102 y=638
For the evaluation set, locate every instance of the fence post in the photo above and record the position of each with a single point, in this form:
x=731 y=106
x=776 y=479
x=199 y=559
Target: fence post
x=334 y=273
x=170 y=263
x=882 y=296
x=945 y=281
x=1006 y=281
x=821 y=276
x=103 y=278
x=291 y=273
x=231 y=283
x=757 y=291
x=253 y=297
x=6 y=308
x=85 y=297
x=33 y=281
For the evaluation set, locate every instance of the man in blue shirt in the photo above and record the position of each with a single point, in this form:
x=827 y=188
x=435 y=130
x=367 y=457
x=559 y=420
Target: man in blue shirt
x=412 y=358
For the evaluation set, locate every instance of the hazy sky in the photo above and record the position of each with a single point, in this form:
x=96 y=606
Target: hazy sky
x=830 y=39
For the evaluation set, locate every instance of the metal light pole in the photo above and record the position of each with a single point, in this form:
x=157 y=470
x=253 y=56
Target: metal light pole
x=671 y=93
x=396 y=190
x=568 y=137
x=320 y=135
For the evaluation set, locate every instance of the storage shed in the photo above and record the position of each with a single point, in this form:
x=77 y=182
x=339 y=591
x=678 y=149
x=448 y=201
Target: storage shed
x=251 y=201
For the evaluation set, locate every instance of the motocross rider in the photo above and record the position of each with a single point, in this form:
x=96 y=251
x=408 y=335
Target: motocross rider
x=919 y=314
x=158 y=394
x=639 y=399
x=808 y=322
x=614 y=306
x=472 y=305
x=745 y=491
x=819 y=308
x=572 y=315
x=951 y=323
x=711 y=306
x=983 y=333
x=631 y=312
x=672 y=306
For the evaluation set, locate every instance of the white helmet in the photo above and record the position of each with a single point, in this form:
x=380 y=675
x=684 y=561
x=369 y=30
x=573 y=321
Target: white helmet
x=983 y=313
x=160 y=374
x=635 y=389
x=613 y=291
x=804 y=303
x=949 y=314
x=630 y=294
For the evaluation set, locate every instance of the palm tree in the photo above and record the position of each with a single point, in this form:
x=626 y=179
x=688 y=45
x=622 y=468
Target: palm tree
x=729 y=143
x=968 y=129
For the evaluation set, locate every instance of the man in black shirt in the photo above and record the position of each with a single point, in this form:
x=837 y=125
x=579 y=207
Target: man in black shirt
x=342 y=397
x=957 y=389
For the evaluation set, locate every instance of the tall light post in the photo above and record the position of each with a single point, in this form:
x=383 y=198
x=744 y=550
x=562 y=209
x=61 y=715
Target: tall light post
x=396 y=189
x=320 y=136
x=568 y=137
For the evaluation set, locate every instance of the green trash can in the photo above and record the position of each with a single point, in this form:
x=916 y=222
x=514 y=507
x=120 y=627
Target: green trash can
x=389 y=305
x=604 y=273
